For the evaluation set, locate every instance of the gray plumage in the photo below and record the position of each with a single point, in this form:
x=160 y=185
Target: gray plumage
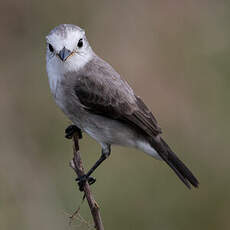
x=95 y=98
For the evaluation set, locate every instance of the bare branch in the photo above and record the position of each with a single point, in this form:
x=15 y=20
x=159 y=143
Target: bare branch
x=77 y=165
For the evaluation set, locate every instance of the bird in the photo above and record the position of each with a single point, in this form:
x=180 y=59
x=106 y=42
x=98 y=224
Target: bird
x=99 y=102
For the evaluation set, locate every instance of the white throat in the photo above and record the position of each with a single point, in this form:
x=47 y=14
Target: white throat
x=57 y=68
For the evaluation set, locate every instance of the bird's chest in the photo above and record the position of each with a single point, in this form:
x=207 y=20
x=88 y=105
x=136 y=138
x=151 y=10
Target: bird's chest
x=63 y=93
x=56 y=88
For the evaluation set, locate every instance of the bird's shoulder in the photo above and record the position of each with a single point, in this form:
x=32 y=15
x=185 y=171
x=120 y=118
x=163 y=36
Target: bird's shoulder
x=98 y=77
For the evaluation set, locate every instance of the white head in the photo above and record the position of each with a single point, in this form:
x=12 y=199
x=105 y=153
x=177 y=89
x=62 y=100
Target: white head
x=67 y=49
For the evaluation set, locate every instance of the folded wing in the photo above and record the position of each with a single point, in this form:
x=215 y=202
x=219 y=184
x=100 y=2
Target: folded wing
x=116 y=100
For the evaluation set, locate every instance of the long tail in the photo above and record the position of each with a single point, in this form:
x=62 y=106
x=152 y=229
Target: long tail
x=174 y=162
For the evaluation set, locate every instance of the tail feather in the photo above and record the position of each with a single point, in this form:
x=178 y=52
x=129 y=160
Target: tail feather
x=175 y=163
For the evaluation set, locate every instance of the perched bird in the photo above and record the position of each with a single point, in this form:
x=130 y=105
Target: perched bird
x=99 y=102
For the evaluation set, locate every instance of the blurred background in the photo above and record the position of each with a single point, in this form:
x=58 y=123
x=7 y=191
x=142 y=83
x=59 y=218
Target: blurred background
x=175 y=54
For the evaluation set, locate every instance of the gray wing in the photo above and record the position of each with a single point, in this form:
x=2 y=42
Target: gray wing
x=111 y=97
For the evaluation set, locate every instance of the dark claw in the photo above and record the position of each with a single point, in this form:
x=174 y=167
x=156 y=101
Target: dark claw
x=91 y=180
x=70 y=130
x=83 y=179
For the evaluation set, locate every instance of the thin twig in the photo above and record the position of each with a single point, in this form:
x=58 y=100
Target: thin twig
x=72 y=216
x=77 y=165
x=80 y=219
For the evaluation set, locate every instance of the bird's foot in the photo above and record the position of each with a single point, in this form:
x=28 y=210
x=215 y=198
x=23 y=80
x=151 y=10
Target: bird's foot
x=82 y=180
x=70 y=130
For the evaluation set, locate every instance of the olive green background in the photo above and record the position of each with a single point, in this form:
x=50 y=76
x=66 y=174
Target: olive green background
x=176 y=56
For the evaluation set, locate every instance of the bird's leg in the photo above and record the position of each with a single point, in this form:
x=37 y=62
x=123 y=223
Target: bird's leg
x=70 y=130
x=106 y=150
x=104 y=155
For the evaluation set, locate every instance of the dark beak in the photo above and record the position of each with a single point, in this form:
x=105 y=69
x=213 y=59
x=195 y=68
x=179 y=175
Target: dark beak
x=64 y=54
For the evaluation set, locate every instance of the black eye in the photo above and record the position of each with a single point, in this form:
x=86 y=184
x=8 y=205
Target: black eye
x=80 y=43
x=51 y=48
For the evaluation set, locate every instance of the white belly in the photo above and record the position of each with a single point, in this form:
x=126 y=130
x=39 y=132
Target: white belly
x=105 y=130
